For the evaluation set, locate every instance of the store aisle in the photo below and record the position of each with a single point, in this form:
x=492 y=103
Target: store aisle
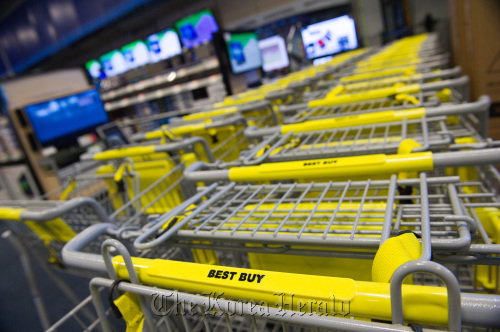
x=17 y=311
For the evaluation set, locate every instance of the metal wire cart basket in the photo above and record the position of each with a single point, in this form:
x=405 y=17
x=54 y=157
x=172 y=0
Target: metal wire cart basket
x=358 y=195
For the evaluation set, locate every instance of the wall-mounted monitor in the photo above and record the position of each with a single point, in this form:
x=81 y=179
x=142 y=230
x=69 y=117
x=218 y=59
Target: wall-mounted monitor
x=94 y=68
x=163 y=45
x=114 y=63
x=136 y=54
x=58 y=120
x=197 y=28
x=329 y=37
x=274 y=53
x=243 y=49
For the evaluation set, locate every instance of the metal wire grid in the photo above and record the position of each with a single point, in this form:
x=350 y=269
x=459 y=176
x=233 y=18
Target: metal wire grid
x=124 y=206
x=466 y=275
x=227 y=143
x=80 y=182
x=46 y=250
x=379 y=82
x=349 y=214
x=177 y=312
x=133 y=213
x=163 y=194
x=432 y=133
x=259 y=119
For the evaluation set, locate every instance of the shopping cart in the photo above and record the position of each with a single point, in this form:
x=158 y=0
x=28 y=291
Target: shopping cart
x=230 y=304
x=436 y=215
x=146 y=181
x=225 y=137
x=121 y=132
x=126 y=196
x=435 y=128
x=258 y=213
x=405 y=52
x=452 y=91
x=258 y=113
x=379 y=83
x=279 y=223
x=291 y=88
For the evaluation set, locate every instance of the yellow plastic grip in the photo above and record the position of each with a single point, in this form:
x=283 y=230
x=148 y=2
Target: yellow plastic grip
x=393 y=253
x=124 y=152
x=177 y=131
x=51 y=230
x=121 y=171
x=68 y=190
x=156 y=134
x=298 y=292
x=354 y=120
x=210 y=114
x=368 y=165
x=131 y=311
x=10 y=214
x=339 y=89
x=368 y=95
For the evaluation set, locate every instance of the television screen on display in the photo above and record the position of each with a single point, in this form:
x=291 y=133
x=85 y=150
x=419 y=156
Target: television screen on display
x=136 y=54
x=62 y=117
x=114 y=63
x=329 y=37
x=163 y=45
x=197 y=28
x=274 y=53
x=95 y=70
x=243 y=50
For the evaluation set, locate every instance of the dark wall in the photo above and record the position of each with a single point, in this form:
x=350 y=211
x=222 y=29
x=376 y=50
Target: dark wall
x=37 y=29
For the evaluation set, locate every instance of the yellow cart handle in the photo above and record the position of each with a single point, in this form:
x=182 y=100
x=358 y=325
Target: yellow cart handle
x=11 y=213
x=210 y=114
x=298 y=292
x=354 y=120
x=368 y=95
x=124 y=152
x=335 y=167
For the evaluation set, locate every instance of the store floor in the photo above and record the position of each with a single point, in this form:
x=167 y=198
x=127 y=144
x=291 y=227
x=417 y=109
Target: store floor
x=17 y=311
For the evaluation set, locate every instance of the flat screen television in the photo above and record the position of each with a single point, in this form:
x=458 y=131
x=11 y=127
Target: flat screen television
x=114 y=63
x=274 y=53
x=94 y=68
x=329 y=37
x=163 y=45
x=243 y=50
x=197 y=28
x=136 y=54
x=58 y=121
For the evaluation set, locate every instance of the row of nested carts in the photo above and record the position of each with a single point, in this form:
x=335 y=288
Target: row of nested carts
x=357 y=195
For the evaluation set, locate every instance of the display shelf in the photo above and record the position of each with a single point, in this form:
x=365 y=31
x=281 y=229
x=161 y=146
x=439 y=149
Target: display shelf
x=161 y=93
x=168 y=77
